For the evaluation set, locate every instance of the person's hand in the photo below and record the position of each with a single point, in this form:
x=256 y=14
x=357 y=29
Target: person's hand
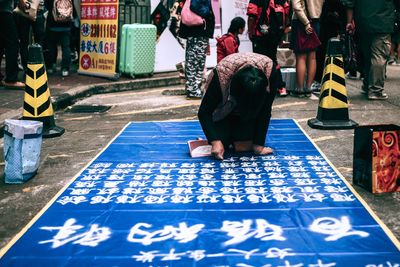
x=262 y=150
x=217 y=149
x=287 y=29
x=309 y=29
x=350 y=28
x=22 y=5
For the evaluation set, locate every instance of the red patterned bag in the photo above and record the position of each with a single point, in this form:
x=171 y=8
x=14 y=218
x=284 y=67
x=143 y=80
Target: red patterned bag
x=376 y=158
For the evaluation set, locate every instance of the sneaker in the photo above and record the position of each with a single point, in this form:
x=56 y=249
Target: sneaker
x=195 y=96
x=298 y=93
x=315 y=88
x=282 y=92
x=65 y=73
x=351 y=76
x=391 y=61
x=377 y=96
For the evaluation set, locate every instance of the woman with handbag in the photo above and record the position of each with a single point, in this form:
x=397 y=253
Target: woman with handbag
x=305 y=41
x=197 y=26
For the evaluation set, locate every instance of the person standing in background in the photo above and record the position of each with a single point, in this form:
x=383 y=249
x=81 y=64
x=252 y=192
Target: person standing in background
x=25 y=25
x=229 y=43
x=306 y=14
x=267 y=22
x=9 y=41
x=374 y=21
x=333 y=23
x=58 y=32
x=196 y=51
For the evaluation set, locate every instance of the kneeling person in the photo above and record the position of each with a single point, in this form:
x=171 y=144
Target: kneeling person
x=236 y=107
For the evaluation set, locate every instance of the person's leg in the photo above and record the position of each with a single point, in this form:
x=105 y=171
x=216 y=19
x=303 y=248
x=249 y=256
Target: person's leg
x=38 y=28
x=24 y=27
x=9 y=38
x=311 y=69
x=300 y=72
x=380 y=50
x=365 y=49
x=195 y=58
x=66 y=52
x=52 y=41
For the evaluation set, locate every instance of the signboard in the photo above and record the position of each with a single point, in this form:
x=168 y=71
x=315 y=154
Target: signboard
x=99 y=35
x=145 y=202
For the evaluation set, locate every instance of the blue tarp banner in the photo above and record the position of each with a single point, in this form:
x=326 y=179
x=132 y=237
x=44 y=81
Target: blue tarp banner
x=144 y=202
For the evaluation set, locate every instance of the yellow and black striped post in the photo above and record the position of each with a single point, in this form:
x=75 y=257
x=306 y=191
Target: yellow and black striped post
x=37 y=102
x=333 y=108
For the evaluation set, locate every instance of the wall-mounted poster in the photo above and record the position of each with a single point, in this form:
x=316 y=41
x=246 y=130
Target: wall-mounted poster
x=98 y=38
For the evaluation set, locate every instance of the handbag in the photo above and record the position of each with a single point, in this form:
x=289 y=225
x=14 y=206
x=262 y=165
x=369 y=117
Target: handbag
x=31 y=9
x=189 y=18
x=376 y=158
x=350 y=53
x=306 y=42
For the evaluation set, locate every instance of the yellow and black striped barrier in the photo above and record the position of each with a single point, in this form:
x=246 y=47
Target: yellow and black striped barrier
x=333 y=108
x=37 y=101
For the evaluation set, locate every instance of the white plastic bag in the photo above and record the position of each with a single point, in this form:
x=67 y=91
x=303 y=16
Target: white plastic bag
x=22 y=145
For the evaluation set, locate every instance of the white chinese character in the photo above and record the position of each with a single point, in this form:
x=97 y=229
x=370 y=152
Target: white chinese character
x=208 y=199
x=137 y=184
x=232 y=199
x=305 y=182
x=112 y=183
x=276 y=175
x=182 y=234
x=130 y=191
x=288 y=157
x=334 y=228
x=101 y=199
x=229 y=177
x=278 y=253
x=116 y=177
x=288 y=264
x=90 y=184
x=91 y=177
x=161 y=183
x=230 y=190
x=80 y=191
x=284 y=198
x=207 y=176
x=183 y=183
x=241 y=231
x=280 y=190
x=69 y=233
x=188 y=165
x=209 y=183
x=155 y=199
x=197 y=255
x=181 y=199
x=257 y=199
x=247 y=254
x=141 y=177
x=158 y=191
x=125 y=165
x=172 y=256
x=309 y=189
x=335 y=189
x=206 y=190
x=330 y=181
x=321 y=264
x=128 y=199
x=313 y=197
x=73 y=200
x=277 y=182
x=146 y=256
x=207 y=164
x=182 y=190
x=342 y=197
x=108 y=191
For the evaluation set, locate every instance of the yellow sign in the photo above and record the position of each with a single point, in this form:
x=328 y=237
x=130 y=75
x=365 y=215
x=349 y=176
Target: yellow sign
x=99 y=35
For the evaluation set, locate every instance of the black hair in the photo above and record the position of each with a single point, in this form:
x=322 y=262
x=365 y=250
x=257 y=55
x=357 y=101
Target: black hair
x=249 y=88
x=236 y=24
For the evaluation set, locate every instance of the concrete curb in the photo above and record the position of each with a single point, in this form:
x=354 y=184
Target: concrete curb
x=72 y=95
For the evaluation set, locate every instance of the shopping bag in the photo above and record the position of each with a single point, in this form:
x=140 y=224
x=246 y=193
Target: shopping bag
x=22 y=146
x=376 y=158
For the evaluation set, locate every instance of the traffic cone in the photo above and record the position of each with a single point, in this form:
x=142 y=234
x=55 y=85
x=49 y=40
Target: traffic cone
x=37 y=102
x=333 y=110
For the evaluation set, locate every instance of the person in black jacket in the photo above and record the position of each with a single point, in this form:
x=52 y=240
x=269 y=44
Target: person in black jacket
x=236 y=108
x=58 y=32
x=9 y=42
x=196 y=52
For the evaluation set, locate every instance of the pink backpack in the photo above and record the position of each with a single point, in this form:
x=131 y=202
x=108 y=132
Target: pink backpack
x=190 y=18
